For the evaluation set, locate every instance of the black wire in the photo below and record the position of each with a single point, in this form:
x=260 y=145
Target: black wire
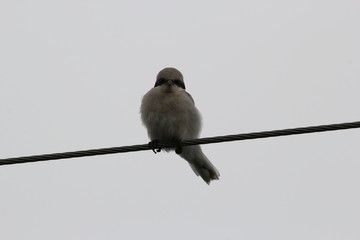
x=228 y=138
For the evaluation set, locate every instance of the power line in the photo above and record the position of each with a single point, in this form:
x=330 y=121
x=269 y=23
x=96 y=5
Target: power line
x=227 y=138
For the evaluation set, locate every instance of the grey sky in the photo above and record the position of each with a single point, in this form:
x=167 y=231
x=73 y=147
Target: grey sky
x=72 y=74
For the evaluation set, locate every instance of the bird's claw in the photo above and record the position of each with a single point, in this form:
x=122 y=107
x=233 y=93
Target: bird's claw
x=154 y=146
x=179 y=148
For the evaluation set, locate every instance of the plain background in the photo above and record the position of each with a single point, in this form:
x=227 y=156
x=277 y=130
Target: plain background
x=72 y=75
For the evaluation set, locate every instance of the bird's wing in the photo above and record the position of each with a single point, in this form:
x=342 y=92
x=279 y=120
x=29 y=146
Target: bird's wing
x=190 y=97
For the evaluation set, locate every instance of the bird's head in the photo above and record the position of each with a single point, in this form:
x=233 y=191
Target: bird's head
x=170 y=79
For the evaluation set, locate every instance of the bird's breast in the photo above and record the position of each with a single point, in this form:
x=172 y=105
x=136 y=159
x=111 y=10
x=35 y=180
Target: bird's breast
x=170 y=116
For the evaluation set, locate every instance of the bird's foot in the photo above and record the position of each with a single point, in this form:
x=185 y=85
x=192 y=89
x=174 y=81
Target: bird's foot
x=154 y=146
x=179 y=148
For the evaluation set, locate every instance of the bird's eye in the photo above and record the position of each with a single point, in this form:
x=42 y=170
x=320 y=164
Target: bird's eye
x=160 y=81
x=179 y=83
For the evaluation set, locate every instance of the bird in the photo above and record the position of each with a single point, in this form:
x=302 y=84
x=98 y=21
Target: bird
x=169 y=113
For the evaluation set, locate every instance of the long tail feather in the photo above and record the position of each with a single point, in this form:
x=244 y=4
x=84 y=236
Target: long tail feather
x=200 y=164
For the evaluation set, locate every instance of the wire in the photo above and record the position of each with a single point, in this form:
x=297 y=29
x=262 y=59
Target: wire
x=227 y=138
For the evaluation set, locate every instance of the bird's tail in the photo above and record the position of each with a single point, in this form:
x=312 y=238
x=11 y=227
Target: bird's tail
x=199 y=163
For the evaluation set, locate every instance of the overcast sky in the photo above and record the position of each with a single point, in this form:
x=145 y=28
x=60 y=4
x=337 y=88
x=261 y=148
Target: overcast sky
x=72 y=75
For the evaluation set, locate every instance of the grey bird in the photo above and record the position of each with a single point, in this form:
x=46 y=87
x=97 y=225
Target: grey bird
x=169 y=114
